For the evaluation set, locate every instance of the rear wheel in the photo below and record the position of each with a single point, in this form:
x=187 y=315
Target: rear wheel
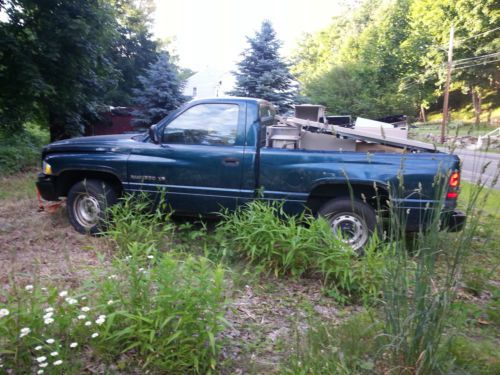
x=87 y=203
x=350 y=219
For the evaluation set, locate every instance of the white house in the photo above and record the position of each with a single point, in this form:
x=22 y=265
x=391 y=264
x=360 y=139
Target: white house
x=209 y=82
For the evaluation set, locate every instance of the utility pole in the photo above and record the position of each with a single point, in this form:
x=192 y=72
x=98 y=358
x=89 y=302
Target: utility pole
x=447 y=86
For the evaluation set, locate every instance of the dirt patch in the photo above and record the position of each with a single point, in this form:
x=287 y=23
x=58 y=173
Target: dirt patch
x=266 y=317
x=38 y=246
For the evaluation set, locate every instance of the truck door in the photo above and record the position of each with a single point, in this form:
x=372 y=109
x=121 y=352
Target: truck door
x=199 y=160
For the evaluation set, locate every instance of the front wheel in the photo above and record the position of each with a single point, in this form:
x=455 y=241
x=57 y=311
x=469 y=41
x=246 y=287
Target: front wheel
x=87 y=204
x=351 y=220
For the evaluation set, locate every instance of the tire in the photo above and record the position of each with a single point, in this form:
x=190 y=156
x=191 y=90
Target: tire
x=356 y=220
x=87 y=203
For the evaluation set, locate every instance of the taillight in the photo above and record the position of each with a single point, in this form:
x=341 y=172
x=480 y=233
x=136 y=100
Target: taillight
x=453 y=185
x=454 y=179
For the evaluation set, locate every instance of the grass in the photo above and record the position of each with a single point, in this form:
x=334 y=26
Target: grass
x=462 y=124
x=490 y=198
x=18 y=186
x=465 y=114
x=173 y=285
x=430 y=132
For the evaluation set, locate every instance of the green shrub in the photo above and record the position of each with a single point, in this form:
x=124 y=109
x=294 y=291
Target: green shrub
x=139 y=219
x=21 y=151
x=267 y=238
x=263 y=235
x=168 y=311
x=359 y=279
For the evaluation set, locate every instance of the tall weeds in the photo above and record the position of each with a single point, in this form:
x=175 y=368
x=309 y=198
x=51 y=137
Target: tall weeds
x=421 y=283
x=274 y=242
x=410 y=333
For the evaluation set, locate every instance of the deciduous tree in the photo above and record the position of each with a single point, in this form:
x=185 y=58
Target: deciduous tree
x=55 y=62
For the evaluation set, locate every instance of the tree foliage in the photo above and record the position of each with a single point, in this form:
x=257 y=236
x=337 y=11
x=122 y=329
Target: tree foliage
x=393 y=52
x=262 y=73
x=61 y=60
x=160 y=91
x=58 y=59
x=134 y=49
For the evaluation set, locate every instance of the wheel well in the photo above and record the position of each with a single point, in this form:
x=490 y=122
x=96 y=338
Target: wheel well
x=67 y=179
x=375 y=196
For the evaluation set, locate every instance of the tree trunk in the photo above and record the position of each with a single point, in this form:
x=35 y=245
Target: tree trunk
x=422 y=113
x=478 y=110
x=476 y=104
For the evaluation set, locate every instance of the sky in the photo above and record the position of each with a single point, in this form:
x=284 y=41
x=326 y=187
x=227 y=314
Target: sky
x=213 y=32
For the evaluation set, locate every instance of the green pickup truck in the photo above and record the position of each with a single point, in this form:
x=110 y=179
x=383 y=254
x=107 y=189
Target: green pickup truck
x=223 y=152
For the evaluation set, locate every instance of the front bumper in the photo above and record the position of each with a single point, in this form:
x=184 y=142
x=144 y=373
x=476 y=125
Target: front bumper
x=46 y=185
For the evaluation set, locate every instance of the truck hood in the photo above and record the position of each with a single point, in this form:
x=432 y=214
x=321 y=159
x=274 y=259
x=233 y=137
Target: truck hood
x=100 y=143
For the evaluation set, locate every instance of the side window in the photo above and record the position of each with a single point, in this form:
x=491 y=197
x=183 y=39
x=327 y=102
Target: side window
x=204 y=124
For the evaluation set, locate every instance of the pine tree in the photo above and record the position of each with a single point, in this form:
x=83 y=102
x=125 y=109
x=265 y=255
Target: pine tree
x=262 y=73
x=161 y=91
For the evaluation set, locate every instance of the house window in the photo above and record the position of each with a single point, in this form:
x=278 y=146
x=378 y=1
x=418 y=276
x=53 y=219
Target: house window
x=195 y=91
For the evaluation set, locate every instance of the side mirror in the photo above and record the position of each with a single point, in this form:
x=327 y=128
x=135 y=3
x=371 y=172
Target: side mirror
x=154 y=134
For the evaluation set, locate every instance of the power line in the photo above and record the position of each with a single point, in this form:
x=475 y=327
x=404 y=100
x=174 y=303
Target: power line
x=416 y=82
x=477 y=64
x=470 y=59
x=476 y=35
x=458 y=41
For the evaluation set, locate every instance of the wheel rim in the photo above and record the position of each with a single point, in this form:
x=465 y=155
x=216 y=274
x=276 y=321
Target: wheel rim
x=351 y=228
x=87 y=209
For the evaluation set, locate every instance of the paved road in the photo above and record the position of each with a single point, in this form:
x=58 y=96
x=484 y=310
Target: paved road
x=473 y=163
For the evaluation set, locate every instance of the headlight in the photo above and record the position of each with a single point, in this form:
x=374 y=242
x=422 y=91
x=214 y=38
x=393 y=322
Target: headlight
x=47 y=169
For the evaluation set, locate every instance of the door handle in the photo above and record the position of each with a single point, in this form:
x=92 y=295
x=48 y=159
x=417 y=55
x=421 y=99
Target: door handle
x=231 y=162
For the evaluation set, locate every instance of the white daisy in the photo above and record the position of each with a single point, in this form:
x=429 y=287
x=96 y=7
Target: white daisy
x=24 y=331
